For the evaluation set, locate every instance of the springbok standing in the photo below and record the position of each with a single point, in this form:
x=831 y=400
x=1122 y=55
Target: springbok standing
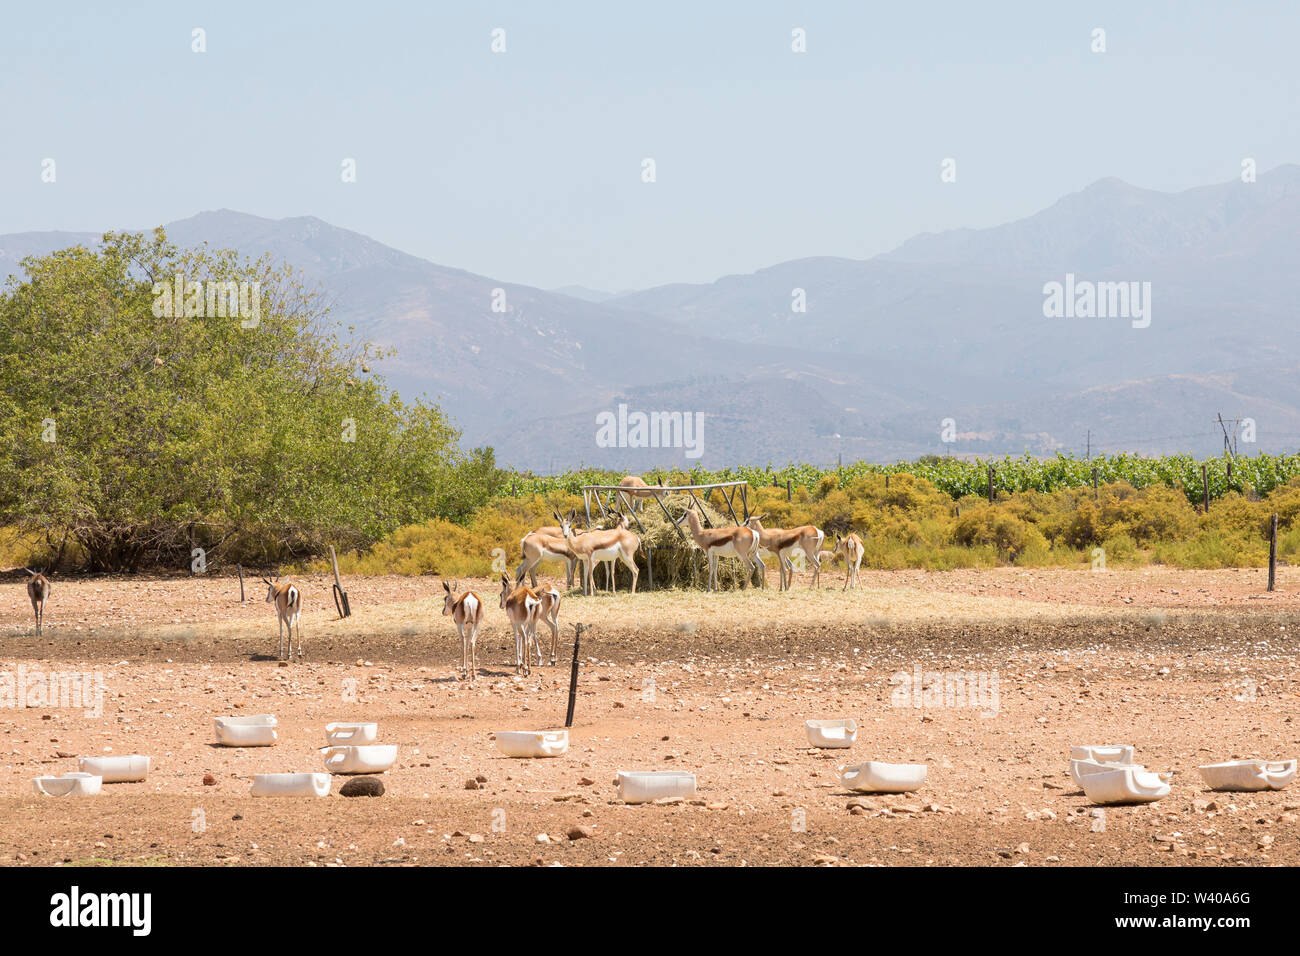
x=466 y=612
x=785 y=541
x=550 y=613
x=850 y=548
x=545 y=544
x=288 y=607
x=618 y=543
x=739 y=542
x=522 y=607
x=38 y=589
x=636 y=493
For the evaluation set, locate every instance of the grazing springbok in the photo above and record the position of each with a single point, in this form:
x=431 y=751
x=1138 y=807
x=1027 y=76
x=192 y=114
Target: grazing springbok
x=523 y=607
x=636 y=493
x=615 y=544
x=785 y=541
x=739 y=542
x=849 y=548
x=542 y=545
x=38 y=589
x=288 y=606
x=466 y=612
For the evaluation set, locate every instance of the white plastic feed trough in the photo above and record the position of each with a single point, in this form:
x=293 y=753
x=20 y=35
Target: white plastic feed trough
x=1125 y=785
x=1106 y=753
x=70 y=784
x=646 y=786
x=533 y=743
x=339 y=734
x=291 y=785
x=831 y=734
x=257 y=730
x=366 y=758
x=1249 y=774
x=1081 y=768
x=131 y=769
x=876 y=777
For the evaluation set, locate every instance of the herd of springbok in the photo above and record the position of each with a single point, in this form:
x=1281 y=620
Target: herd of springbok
x=528 y=606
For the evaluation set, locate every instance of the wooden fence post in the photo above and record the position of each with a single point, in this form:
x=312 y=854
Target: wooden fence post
x=340 y=596
x=239 y=568
x=1272 y=553
x=990 y=484
x=573 y=674
x=787 y=489
x=1094 y=482
x=1205 y=485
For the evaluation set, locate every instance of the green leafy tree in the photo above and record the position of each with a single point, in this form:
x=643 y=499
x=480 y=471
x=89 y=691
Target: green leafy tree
x=135 y=430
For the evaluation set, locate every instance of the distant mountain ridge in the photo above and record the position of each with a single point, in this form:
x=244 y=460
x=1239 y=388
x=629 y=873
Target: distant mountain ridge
x=948 y=325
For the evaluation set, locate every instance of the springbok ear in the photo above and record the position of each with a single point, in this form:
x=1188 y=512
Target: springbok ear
x=446 y=587
x=505 y=581
x=266 y=581
x=30 y=571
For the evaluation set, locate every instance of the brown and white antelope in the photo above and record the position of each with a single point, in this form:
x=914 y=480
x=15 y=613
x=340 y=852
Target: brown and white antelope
x=634 y=492
x=850 y=548
x=785 y=541
x=545 y=544
x=619 y=543
x=288 y=606
x=523 y=608
x=738 y=542
x=38 y=589
x=466 y=611
x=550 y=613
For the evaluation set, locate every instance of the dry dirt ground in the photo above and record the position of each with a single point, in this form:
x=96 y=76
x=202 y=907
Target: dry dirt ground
x=1190 y=667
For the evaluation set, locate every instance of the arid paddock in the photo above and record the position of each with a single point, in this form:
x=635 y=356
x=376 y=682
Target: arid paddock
x=1189 y=667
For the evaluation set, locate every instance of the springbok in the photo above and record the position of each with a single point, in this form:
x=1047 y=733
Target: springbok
x=466 y=611
x=550 y=613
x=739 y=542
x=545 y=544
x=38 y=589
x=522 y=607
x=850 y=548
x=637 y=491
x=784 y=541
x=288 y=606
x=615 y=544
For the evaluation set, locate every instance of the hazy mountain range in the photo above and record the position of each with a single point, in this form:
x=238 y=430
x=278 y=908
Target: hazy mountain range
x=948 y=325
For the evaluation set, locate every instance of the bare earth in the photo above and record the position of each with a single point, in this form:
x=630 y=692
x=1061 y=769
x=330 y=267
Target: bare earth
x=1190 y=667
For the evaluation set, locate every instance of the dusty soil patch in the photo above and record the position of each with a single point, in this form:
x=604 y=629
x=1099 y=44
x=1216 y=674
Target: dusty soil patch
x=716 y=684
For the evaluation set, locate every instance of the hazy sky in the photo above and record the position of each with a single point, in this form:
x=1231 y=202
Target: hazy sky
x=526 y=165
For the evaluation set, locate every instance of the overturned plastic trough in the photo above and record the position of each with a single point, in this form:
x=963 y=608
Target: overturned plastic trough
x=877 y=777
x=1103 y=753
x=342 y=734
x=1249 y=775
x=257 y=730
x=1082 y=768
x=1129 y=784
x=646 y=786
x=533 y=743
x=831 y=734
x=127 y=769
x=291 y=785
x=74 y=784
x=364 y=758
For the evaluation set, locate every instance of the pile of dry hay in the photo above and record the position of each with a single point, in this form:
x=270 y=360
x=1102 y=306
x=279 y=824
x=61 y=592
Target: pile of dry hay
x=678 y=563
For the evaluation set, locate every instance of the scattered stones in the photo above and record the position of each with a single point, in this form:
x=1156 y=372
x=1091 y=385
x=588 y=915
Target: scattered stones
x=209 y=780
x=581 y=833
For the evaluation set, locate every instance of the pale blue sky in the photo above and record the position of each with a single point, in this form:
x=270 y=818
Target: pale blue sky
x=525 y=166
